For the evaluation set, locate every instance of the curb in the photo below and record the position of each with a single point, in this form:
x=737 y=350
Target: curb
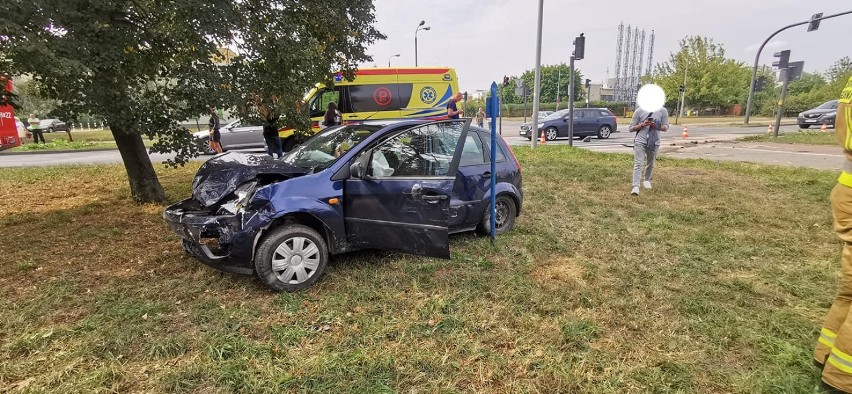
x=53 y=152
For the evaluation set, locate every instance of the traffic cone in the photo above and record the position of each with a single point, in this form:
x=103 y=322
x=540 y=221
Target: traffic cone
x=543 y=139
x=824 y=128
x=685 y=134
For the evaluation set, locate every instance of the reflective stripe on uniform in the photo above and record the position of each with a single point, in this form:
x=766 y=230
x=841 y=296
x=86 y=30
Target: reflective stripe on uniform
x=845 y=179
x=827 y=337
x=847 y=115
x=840 y=360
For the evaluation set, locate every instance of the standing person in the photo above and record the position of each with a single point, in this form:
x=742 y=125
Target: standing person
x=215 y=135
x=647 y=126
x=270 y=134
x=480 y=117
x=332 y=116
x=833 y=352
x=453 y=110
x=37 y=132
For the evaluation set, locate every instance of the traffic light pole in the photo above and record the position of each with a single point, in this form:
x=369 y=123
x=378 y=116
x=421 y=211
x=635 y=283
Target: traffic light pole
x=759 y=50
x=571 y=102
x=784 y=81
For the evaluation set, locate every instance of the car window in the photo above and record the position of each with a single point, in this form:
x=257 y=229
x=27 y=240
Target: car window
x=604 y=113
x=828 y=105
x=486 y=144
x=319 y=104
x=424 y=151
x=323 y=149
x=472 y=152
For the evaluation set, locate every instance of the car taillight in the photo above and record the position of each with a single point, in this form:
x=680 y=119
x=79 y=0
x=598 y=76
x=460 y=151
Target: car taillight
x=515 y=159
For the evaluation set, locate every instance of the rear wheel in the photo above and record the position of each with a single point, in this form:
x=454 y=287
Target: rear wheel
x=505 y=219
x=804 y=126
x=604 y=132
x=551 y=133
x=50 y=129
x=291 y=258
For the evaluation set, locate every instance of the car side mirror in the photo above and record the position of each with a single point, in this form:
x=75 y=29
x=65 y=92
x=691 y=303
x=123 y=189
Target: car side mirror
x=356 y=170
x=565 y=119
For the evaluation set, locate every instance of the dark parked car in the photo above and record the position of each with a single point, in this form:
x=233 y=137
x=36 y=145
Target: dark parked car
x=51 y=125
x=824 y=114
x=403 y=186
x=599 y=122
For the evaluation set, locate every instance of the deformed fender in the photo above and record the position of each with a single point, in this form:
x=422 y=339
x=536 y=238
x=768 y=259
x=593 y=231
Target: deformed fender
x=511 y=190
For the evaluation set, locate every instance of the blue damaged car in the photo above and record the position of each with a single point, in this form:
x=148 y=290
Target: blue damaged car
x=401 y=186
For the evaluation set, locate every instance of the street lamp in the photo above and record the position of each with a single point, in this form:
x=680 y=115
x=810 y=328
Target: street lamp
x=419 y=27
x=397 y=55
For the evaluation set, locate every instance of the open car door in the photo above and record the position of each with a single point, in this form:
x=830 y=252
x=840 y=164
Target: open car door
x=398 y=195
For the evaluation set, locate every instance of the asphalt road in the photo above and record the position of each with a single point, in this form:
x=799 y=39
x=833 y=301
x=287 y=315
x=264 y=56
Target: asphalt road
x=673 y=144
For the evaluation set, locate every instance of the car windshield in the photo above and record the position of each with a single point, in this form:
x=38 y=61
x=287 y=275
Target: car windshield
x=557 y=115
x=319 y=152
x=828 y=105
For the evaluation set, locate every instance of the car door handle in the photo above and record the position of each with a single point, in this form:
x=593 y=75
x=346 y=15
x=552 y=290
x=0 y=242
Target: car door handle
x=487 y=174
x=351 y=116
x=431 y=198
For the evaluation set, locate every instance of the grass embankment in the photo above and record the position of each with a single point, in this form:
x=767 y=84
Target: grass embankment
x=713 y=282
x=83 y=140
x=802 y=137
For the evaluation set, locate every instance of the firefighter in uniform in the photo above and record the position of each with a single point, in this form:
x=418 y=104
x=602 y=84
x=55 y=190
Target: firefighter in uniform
x=834 y=347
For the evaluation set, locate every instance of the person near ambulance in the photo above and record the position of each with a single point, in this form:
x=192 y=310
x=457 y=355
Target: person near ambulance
x=332 y=116
x=35 y=129
x=647 y=126
x=453 y=111
x=833 y=352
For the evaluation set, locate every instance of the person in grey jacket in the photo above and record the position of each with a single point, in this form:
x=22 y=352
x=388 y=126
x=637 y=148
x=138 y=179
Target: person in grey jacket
x=647 y=126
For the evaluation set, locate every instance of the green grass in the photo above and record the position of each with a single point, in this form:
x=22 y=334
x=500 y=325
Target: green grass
x=802 y=137
x=714 y=282
x=83 y=140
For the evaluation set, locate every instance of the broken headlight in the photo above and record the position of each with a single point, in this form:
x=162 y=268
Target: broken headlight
x=241 y=198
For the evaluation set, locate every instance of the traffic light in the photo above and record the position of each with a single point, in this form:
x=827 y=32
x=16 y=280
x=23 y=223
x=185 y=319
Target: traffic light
x=815 y=22
x=505 y=80
x=681 y=88
x=464 y=96
x=783 y=59
x=579 y=47
x=588 y=84
x=760 y=83
x=794 y=70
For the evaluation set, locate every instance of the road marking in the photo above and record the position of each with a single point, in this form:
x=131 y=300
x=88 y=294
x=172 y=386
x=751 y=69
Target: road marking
x=788 y=152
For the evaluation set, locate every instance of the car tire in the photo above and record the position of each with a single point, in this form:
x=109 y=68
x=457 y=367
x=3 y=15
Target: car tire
x=529 y=138
x=305 y=245
x=604 y=132
x=804 y=126
x=50 y=129
x=551 y=133
x=507 y=211
x=288 y=144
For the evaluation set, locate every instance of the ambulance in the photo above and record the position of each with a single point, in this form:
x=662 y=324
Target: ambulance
x=382 y=93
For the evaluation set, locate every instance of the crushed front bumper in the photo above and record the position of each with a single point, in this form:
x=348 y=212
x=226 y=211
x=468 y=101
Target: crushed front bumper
x=219 y=241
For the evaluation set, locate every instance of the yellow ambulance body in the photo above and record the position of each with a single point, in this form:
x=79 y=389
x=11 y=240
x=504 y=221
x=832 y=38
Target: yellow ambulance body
x=384 y=93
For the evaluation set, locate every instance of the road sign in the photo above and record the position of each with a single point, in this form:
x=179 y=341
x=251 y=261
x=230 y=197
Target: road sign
x=794 y=70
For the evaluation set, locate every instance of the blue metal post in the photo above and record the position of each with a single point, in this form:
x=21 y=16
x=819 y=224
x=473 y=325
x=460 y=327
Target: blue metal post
x=495 y=109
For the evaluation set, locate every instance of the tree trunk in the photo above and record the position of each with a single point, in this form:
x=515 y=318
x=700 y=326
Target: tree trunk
x=70 y=138
x=144 y=185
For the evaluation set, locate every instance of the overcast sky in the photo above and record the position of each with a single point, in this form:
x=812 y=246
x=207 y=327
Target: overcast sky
x=485 y=39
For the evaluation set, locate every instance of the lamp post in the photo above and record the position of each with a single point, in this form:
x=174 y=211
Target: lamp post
x=419 y=27
x=389 y=59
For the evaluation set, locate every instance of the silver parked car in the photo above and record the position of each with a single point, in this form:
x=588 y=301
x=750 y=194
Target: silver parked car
x=236 y=135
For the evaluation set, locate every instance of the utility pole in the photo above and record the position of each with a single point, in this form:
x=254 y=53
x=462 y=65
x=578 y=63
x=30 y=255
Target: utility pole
x=537 y=83
x=558 y=83
x=683 y=91
x=419 y=27
x=784 y=80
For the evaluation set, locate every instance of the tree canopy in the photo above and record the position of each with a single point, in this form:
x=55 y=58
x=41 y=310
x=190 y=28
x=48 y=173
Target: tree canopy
x=148 y=65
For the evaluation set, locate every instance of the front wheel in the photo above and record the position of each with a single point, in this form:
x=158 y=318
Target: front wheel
x=291 y=258
x=551 y=133
x=50 y=130
x=604 y=132
x=507 y=211
x=804 y=126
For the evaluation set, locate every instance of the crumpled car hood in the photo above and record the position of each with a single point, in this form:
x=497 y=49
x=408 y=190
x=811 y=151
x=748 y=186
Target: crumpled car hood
x=221 y=175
